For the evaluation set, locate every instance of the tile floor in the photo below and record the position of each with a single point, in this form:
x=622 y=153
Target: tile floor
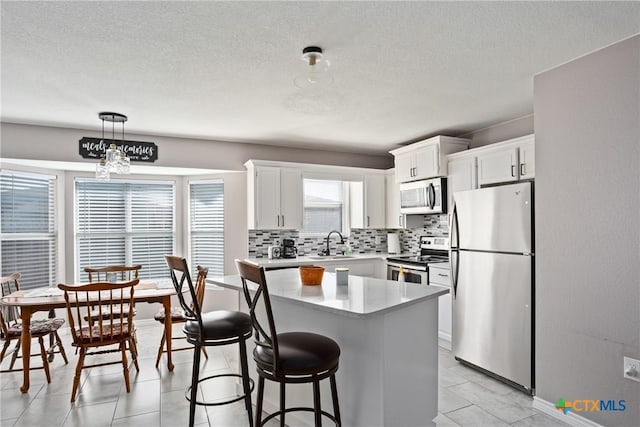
x=157 y=396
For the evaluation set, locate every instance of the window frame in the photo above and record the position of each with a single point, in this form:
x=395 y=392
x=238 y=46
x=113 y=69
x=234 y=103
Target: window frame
x=58 y=214
x=346 y=217
x=128 y=235
x=188 y=223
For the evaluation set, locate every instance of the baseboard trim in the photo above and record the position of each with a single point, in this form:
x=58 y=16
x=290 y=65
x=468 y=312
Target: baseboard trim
x=444 y=340
x=570 y=418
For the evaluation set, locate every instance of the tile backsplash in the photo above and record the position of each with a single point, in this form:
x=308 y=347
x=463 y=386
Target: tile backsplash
x=360 y=240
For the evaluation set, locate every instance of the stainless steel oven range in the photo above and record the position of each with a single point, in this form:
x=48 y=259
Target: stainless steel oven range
x=416 y=267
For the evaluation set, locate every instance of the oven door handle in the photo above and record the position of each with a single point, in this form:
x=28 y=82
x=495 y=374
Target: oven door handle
x=406 y=267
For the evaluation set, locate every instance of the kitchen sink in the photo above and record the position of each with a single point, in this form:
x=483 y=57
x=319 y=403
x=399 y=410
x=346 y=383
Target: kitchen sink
x=318 y=257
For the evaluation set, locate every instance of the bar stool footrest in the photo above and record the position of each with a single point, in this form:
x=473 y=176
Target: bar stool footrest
x=187 y=393
x=298 y=409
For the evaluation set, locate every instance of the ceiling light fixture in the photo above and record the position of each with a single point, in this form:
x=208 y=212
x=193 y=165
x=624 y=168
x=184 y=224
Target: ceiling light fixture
x=115 y=159
x=317 y=72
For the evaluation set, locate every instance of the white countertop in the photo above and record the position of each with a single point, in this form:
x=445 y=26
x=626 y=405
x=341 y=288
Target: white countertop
x=313 y=259
x=362 y=297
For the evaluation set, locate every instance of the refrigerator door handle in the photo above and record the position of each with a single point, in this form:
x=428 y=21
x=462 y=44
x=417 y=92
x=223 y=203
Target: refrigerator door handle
x=454 y=264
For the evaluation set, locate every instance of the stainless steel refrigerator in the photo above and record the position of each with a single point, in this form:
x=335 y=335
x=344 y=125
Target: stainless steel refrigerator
x=492 y=261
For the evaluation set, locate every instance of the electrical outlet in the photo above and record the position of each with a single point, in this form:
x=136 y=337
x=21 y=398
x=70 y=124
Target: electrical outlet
x=632 y=369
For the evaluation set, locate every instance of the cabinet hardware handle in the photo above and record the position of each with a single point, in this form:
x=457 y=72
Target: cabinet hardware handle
x=522 y=169
x=278 y=216
x=368 y=220
x=400 y=220
x=283 y=220
x=443 y=275
x=513 y=171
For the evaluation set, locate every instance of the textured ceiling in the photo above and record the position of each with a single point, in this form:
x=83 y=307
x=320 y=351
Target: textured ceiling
x=226 y=70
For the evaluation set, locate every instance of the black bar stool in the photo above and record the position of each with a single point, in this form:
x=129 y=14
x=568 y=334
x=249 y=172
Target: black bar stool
x=213 y=328
x=290 y=357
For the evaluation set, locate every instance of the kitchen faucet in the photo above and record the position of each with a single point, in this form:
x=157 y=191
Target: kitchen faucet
x=327 y=251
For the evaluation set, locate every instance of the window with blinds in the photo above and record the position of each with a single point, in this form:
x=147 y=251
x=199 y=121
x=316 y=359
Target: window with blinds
x=206 y=231
x=29 y=237
x=124 y=223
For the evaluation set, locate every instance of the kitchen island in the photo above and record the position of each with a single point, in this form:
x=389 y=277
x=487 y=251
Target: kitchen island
x=388 y=335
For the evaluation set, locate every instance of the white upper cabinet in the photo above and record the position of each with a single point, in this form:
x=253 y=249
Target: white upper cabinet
x=375 y=202
x=404 y=167
x=426 y=159
x=507 y=161
x=499 y=165
x=462 y=174
x=394 y=218
x=267 y=198
x=274 y=197
x=527 y=159
x=291 y=206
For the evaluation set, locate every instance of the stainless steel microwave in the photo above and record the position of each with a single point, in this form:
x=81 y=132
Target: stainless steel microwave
x=428 y=196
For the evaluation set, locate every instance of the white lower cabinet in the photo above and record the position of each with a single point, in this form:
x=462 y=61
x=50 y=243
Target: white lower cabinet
x=372 y=267
x=439 y=275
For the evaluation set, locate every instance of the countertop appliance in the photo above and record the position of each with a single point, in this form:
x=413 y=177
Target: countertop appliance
x=416 y=267
x=273 y=251
x=289 y=249
x=428 y=196
x=492 y=267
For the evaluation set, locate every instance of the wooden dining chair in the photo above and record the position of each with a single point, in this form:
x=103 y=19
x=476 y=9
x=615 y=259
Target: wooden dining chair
x=11 y=330
x=177 y=316
x=115 y=329
x=113 y=273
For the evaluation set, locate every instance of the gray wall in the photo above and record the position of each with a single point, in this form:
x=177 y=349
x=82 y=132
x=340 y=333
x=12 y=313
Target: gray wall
x=61 y=144
x=501 y=131
x=587 y=116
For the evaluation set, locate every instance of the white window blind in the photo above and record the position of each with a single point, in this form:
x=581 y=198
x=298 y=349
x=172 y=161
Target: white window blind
x=206 y=233
x=124 y=223
x=28 y=232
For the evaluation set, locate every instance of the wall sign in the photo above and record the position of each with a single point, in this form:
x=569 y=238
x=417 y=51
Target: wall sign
x=137 y=151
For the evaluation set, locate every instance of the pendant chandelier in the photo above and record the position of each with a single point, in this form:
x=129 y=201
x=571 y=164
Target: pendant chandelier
x=114 y=160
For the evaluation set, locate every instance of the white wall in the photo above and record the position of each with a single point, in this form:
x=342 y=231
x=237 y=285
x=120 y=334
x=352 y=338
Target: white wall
x=587 y=126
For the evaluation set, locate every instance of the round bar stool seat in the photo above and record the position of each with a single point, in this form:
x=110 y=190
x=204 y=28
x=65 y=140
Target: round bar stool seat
x=219 y=328
x=301 y=353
